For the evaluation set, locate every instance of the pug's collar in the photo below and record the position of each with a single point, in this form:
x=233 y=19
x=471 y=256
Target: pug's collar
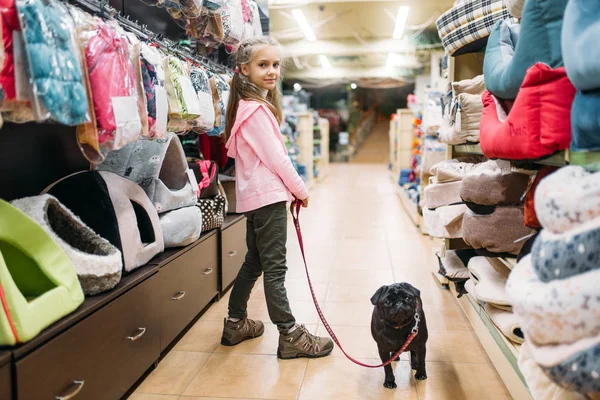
x=415 y=317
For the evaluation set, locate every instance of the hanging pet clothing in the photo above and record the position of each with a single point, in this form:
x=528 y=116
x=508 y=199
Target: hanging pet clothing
x=220 y=90
x=181 y=227
x=38 y=284
x=135 y=49
x=160 y=168
x=206 y=121
x=117 y=210
x=54 y=64
x=97 y=262
x=233 y=22
x=213 y=212
x=153 y=76
x=183 y=100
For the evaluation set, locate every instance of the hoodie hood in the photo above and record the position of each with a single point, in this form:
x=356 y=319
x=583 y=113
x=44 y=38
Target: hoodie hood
x=245 y=109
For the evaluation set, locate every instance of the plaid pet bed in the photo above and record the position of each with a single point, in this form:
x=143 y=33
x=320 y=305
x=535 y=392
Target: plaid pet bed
x=465 y=27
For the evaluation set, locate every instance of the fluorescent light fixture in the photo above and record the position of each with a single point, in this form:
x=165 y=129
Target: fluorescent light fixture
x=353 y=86
x=303 y=23
x=324 y=61
x=392 y=60
x=297 y=87
x=400 y=22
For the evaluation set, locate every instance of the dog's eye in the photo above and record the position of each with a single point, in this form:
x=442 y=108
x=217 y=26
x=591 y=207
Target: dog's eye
x=407 y=299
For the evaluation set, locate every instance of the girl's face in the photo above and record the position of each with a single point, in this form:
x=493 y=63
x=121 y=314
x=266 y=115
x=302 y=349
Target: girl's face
x=264 y=69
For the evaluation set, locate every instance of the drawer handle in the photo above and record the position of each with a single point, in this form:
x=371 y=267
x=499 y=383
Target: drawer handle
x=232 y=253
x=72 y=391
x=208 y=271
x=139 y=335
x=179 y=295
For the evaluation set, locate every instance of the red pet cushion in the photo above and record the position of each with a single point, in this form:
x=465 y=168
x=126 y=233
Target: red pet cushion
x=539 y=123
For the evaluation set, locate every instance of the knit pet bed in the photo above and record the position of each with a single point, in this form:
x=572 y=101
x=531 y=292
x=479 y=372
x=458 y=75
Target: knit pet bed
x=442 y=194
x=115 y=208
x=496 y=232
x=490 y=278
x=97 y=262
x=573 y=366
x=585 y=121
x=488 y=185
x=455 y=169
x=567 y=198
x=181 y=227
x=160 y=168
x=444 y=222
x=559 y=311
x=37 y=279
x=507 y=322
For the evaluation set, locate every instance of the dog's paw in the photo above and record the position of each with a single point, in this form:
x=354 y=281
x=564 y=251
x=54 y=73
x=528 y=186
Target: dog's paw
x=390 y=384
x=413 y=365
x=421 y=377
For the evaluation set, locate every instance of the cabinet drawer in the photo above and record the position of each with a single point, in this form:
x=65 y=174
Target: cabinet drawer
x=102 y=356
x=5 y=383
x=188 y=284
x=233 y=252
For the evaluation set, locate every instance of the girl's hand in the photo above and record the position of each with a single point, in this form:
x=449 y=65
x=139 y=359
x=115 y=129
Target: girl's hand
x=304 y=202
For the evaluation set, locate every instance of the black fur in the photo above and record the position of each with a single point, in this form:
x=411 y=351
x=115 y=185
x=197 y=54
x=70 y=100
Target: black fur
x=392 y=321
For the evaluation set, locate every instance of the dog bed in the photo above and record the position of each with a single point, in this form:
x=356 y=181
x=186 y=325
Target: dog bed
x=455 y=169
x=490 y=184
x=531 y=219
x=453 y=265
x=585 y=121
x=514 y=48
x=567 y=198
x=539 y=123
x=442 y=194
x=564 y=255
x=444 y=222
x=461 y=124
x=573 y=366
x=97 y=262
x=559 y=311
x=506 y=322
x=496 y=232
x=38 y=283
x=213 y=212
x=160 y=168
x=581 y=29
x=181 y=227
x=466 y=26
x=489 y=278
x=116 y=209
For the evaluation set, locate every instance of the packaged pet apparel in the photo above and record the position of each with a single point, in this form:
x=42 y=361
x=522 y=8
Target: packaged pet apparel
x=220 y=90
x=206 y=121
x=135 y=48
x=153 y=77
x=251 y=16
x=233 y=22
x=53 y=62
x=114 y=90
x=183 y=100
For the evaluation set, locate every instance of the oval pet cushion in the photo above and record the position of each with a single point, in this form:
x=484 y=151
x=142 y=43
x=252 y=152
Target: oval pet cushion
x=444 y=222
x=115 y=208
x=567 y=199
x=181 y=227
x=559 y=311
x=442 y=194
x=97 y=262
x=490 y=278
x=455 y=169
x=507 y=322
x=539 y=123
x=514 y=48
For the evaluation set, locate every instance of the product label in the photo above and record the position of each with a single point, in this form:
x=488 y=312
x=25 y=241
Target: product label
x=190 y=97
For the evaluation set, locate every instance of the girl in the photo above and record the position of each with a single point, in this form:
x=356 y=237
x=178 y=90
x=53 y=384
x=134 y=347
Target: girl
x=265 y=182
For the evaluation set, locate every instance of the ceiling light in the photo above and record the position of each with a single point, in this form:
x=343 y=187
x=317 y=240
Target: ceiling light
x=353 y=86
x=324 y=61
x=400 y=22
x=303 y=23
x=297 y=87
x=392 y=60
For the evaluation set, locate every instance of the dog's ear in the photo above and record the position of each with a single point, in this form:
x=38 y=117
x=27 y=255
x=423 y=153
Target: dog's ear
x=379 y=294
x=416 y=292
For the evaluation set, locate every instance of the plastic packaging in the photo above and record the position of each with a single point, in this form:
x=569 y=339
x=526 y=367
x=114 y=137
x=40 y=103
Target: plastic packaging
x=153 y=76
x=183 y=100
x=113 y=83
x=135 y=48
x=233 y=22
x=251 y=15
x=201 y=84
x=220 y=89
x=54 y=64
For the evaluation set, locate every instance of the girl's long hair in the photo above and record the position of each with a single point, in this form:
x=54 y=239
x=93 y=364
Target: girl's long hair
x=243 y=88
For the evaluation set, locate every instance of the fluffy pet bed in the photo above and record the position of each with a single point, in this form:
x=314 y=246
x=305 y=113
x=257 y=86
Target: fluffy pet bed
x=539 y=123
x=490 y=278
x=38 y=283
x=444 y=222
x=496 y=232
x=442 y=194
x=489 y=185
x=455 y=169
x=160 y=168
x=514 y=48
x=97 y=262
x=115 y=208
x=181 y=227
x=560 y=311
x=573 y=366
x=453 y=264
x=507 y=322
x=567 y=199
x=585 y=121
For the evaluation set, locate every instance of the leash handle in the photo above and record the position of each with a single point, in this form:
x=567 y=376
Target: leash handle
x=295 y=208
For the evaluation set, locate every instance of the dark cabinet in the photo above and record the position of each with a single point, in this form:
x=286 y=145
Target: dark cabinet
x=5 y=381
x=233 y=251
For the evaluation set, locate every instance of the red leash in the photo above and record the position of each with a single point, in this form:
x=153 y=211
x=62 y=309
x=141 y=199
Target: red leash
x=295 y=210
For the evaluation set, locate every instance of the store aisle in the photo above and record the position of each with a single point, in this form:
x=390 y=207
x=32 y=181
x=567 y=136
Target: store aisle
x=358 y=238
x=375 y=148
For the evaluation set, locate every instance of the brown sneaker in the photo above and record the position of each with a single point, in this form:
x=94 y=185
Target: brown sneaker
x=301 y=343
x=236 y=332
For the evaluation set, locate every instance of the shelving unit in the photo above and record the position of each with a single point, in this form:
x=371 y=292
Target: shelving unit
x=411 y=207
x=322 y=161
x=401 y=138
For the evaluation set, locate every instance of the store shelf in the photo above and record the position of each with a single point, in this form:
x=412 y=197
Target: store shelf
x=584 y=157
x=510 y=262
x=455 y=244
x=468 y=149
x=410 y=207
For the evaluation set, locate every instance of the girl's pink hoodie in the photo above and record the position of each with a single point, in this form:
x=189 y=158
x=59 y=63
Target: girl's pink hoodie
x=264 y=173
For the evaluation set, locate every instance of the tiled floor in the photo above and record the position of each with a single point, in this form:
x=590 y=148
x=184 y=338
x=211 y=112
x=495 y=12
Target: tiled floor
x=357 y=238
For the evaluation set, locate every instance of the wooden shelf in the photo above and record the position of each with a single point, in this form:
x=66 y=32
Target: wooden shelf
x=510 y=262
x=474 y=148
x=411 y=208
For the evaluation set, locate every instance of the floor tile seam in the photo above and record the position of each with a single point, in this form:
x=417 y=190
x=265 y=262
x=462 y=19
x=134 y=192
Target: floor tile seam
x=196 y=375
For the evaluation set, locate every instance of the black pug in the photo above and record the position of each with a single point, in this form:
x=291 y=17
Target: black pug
x=392 y=322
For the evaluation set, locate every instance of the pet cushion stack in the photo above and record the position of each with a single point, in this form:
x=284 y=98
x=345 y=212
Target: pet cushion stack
x=580 y=33
x=160 y=168
x=463 y=112
x=495 y=222
x=554 y=290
